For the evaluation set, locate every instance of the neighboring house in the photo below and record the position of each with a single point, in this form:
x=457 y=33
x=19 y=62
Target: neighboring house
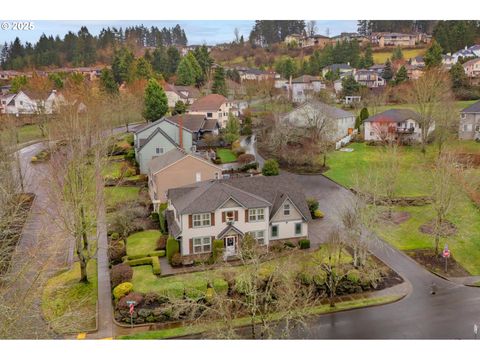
x=90 y=73
x=159 y=137
x=54 y=102
x=470 y=122
x=414 y=72
x=294 y=39
x=393 y=39
x=213 y=106
x=255 y=74
x=417 y=61
x=463 y=53
x=345 y=36
x=378 y=68
x=342 y=69
x=337 y=123
x=369 y=78
x=308 y=41
x=269 y=208
x=475 y=49
x=472 y=68
x=177 y=168
x=448 y=61
x=185 y=94
x=394 y=124
x=9 y=74
x=304 y=86
x=19 y=103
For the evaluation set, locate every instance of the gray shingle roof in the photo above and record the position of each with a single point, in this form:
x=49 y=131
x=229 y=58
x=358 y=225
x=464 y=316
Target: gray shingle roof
x=330 y=111
x=474 y=108
x=250 y=192
x=395 y=115
x=160 y=162
x=194 y=123
x=173 y=227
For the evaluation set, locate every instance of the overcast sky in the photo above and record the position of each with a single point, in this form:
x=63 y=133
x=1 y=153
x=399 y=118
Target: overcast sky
x=198 y=31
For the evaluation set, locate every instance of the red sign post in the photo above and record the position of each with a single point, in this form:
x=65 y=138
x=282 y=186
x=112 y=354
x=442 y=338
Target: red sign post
x=446 y=255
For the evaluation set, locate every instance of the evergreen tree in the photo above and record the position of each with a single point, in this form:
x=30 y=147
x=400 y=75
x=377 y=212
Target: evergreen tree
x=180 y=108
x=387 y=73
x=107 y=82
x=458 y=76
x=197 y=70
x=156 y=103
x=361 y=118
x=350 y=86
x=433 y=57
x=204 y=60
x=368 y=57
x=121 y=65
x=219 y=86
x=185 y=73
x=173 y=60
x=143 y=69
x=401 y=75
x=397 y=54
x=232 y=129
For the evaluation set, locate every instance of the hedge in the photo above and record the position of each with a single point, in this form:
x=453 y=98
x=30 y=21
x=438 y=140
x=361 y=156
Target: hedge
x=156 y=269
x=173 y=247
x=158 y=253
x=122 y=290
x=304 y=244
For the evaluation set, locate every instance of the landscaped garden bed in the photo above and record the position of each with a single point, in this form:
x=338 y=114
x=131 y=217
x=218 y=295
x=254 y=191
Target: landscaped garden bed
x=436 y=263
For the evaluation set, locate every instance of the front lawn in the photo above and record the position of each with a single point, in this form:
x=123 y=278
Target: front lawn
x=226 y=156
x=413 y=180
x=344 y=166
x=115 y=195
x=459 y=105
x=68 y=305
x=142 y=243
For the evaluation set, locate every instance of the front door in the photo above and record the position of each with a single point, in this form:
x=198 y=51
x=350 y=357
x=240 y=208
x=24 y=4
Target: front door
x=230 y=246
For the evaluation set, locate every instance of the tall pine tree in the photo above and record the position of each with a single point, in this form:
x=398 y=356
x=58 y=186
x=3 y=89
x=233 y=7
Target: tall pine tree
x=156 y=103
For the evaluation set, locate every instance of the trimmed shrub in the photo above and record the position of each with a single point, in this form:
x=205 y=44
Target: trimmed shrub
x=173 y=247
x=115 y=236
x=176 y=259
x=133 y=296
x=156 y=269
x=139 y=262
x=251 y=166
x=318 y=214
x=120 y=273
x=162 y=242
x=289 y=244
x=270 y=168
x=122 y=289
x=217 y=249
x=304 y=244
x=158 y=253
x=116 y=252
x=312 y=205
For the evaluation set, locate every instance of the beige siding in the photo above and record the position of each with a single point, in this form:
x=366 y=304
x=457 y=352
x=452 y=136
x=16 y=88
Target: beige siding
x=231 y=204
x=294 y=214
x=182 y=173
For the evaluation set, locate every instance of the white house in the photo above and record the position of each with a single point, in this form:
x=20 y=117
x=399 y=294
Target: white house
x=305 y=86
x=394 y=125
x=369 y=78
x=269 y=208
x=19 y=103
x=337 y=123
x=185 y=94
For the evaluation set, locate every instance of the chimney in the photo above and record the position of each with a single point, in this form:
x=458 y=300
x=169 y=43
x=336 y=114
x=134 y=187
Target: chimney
x=180 y=131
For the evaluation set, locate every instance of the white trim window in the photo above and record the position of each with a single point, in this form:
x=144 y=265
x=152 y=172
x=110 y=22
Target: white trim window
x=298 y=228
x=286 y=209
x=274 y=232
x=201 y=220
x=202 y=245
x=256 y=215
x=259 y=236
x=159 y=150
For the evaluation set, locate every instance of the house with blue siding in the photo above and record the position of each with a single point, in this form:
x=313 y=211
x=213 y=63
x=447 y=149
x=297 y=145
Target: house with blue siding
x=170 y=132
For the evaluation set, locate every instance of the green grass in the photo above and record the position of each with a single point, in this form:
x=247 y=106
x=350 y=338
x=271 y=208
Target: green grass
x=68 y=305
x=198 y=329
x=142 y=243
x=115 y=195
x=344 y=166
x=413 y=180
x=226 y=156
x=28 y=133
x=195 y=284
x=459 y=105
x=381 y=57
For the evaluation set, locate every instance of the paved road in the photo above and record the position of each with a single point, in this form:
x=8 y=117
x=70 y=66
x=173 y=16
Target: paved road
x=450 y=314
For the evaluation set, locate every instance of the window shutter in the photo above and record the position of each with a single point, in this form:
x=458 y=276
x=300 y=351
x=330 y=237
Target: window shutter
x=236 y=215
x=246 y=215
x=190 y=221
x=223 y=217
x=212 y=219
x=191 y=246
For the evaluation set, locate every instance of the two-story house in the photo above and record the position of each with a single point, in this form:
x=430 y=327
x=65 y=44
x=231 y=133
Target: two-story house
x=394 y=124
x=269 y=208
x=369 y=78
x=213 y=106
x=305 y=86
x=182 y=131
x=177 y=168
x=185 y=94
x=470 y=122
x=19 y=103
x=472 y=68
